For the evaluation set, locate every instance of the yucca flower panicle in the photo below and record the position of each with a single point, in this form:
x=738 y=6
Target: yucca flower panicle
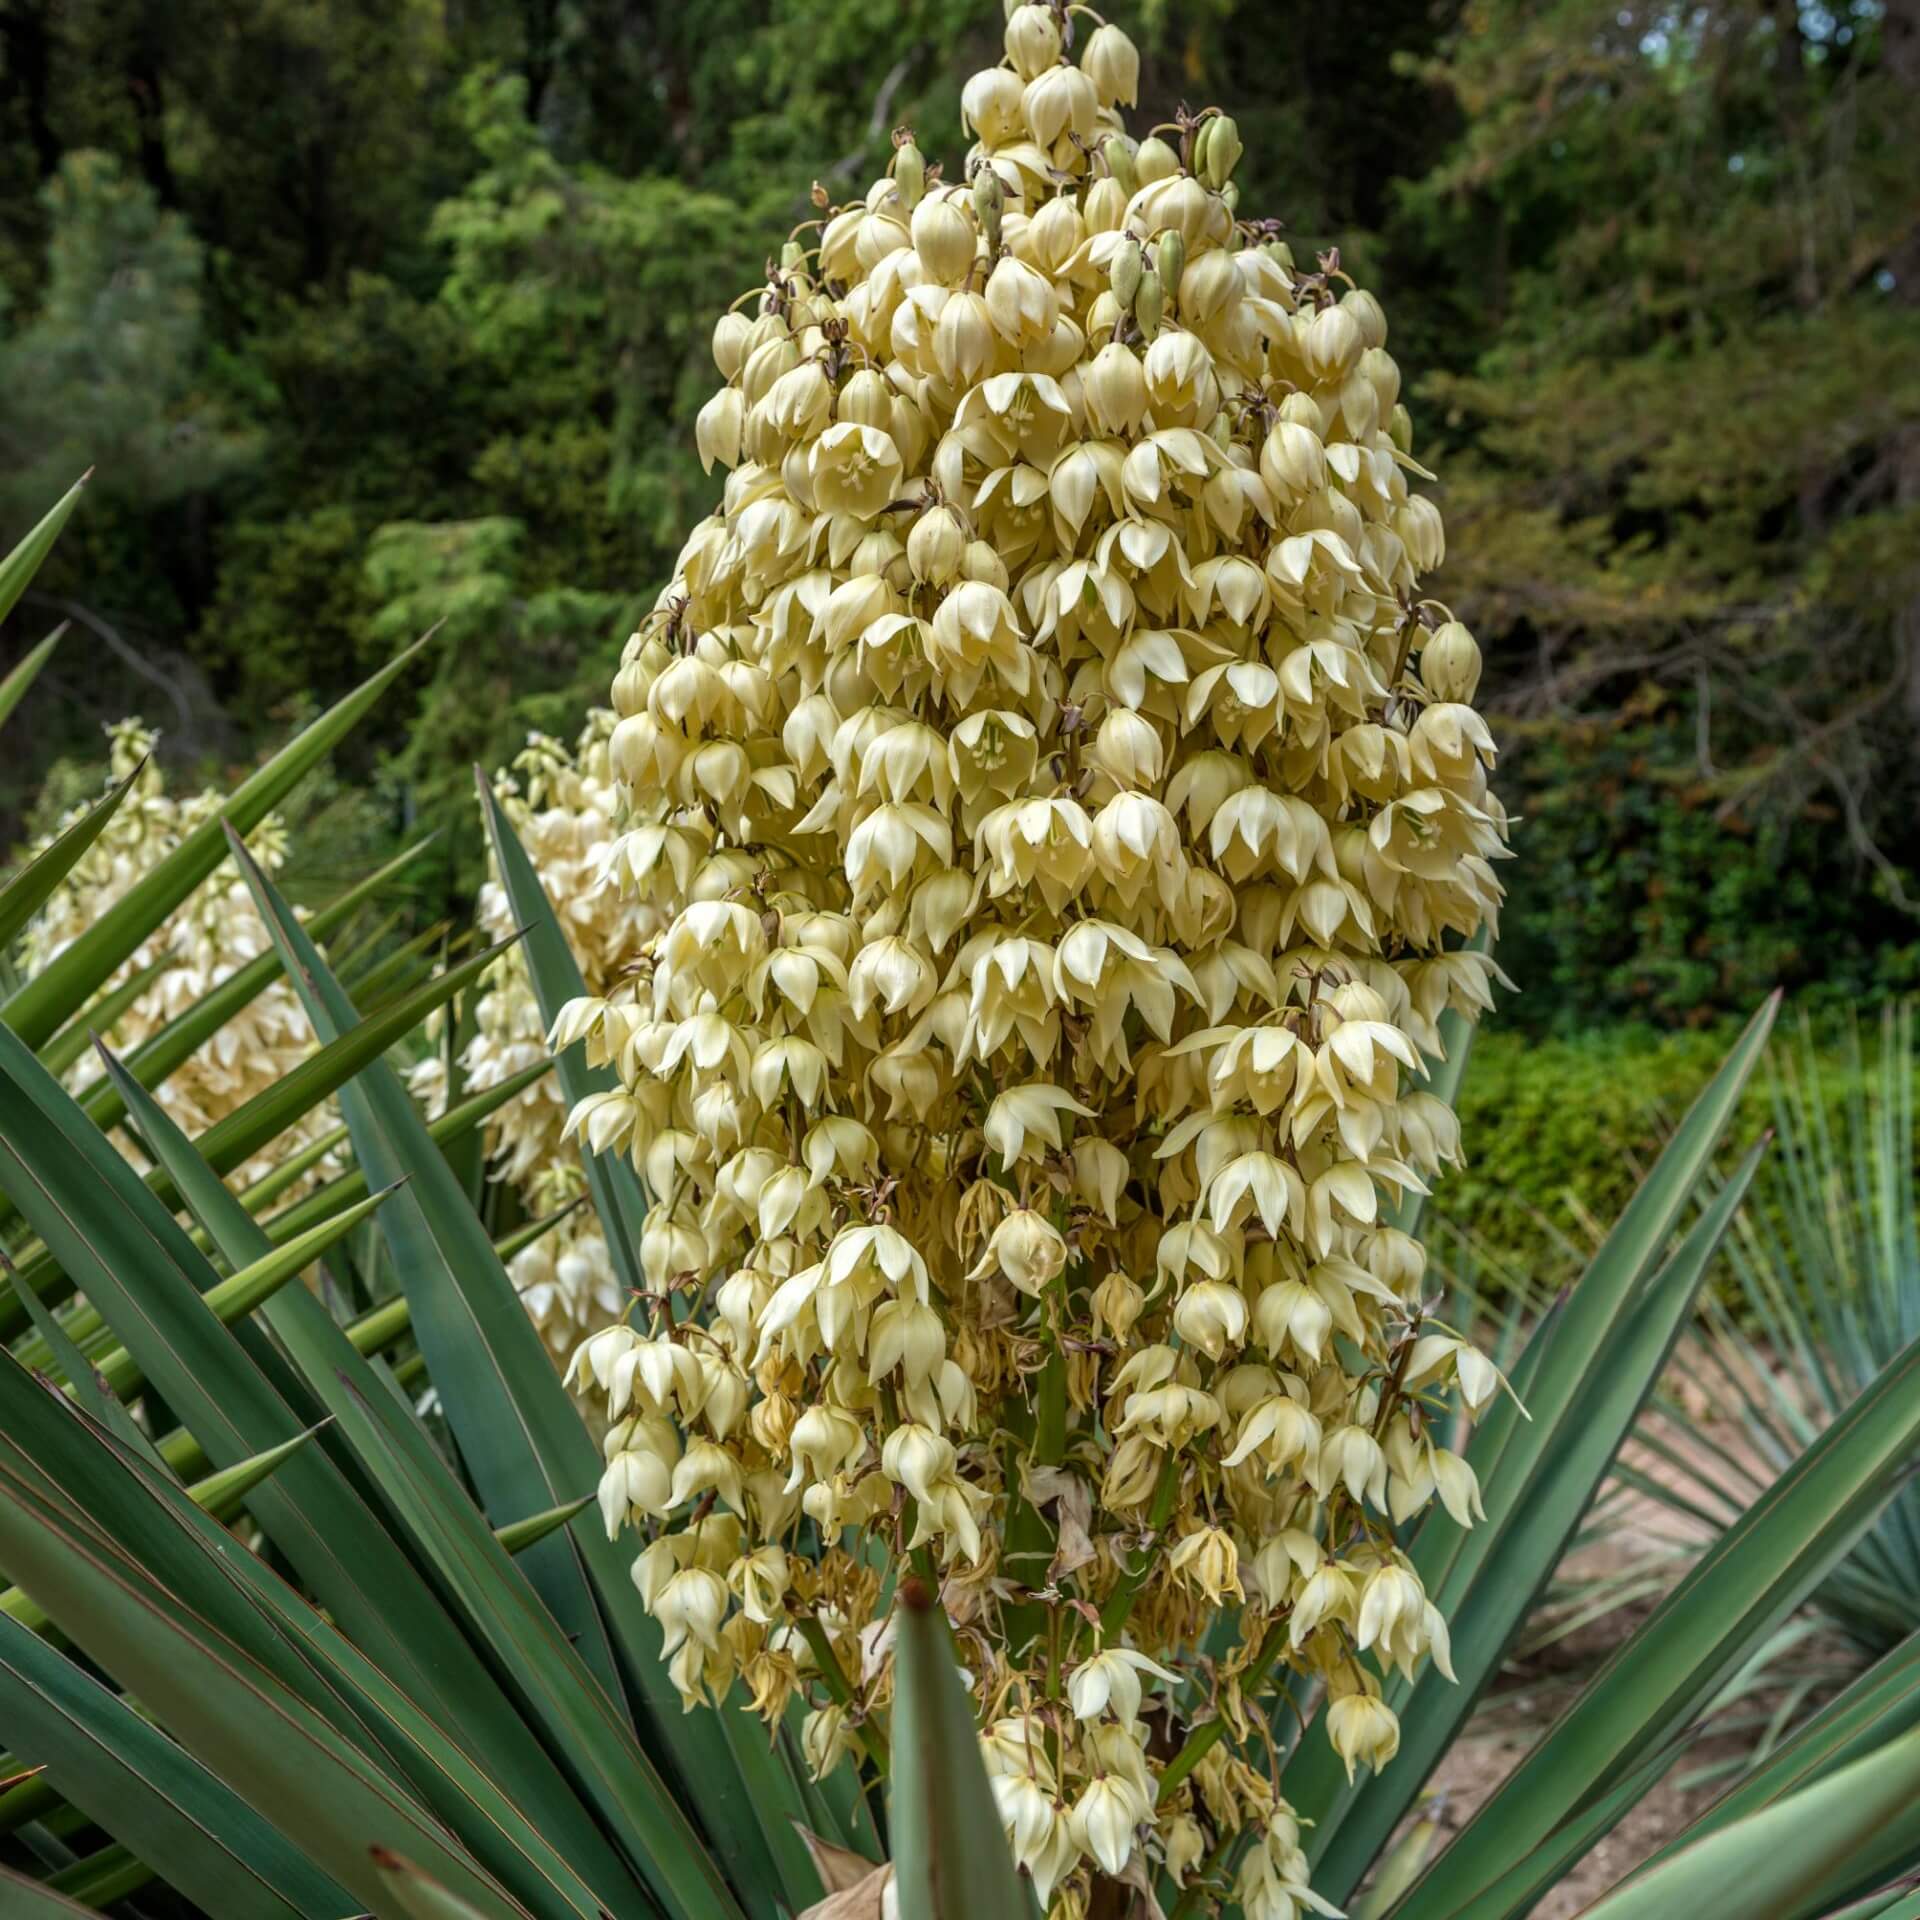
x=212 y=934
x=561 y=803
x=1059 y=819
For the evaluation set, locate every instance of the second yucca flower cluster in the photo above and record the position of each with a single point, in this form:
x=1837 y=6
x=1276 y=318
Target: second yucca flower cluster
x=201 y=945
x=561 y=804
x=1063 y=817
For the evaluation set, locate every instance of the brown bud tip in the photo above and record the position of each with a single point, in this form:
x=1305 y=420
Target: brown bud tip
x=915 y=1595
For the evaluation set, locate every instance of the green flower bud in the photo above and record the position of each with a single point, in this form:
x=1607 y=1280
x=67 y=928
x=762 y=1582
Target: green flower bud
x=910 y=172
x=989 y=203
x=793 y=256
x=1201 y=140
x=1154 y=160
x=1400 y=429
x=1223 y=152
x=1230 y=196
x=1149 y=303
x=1124 y=275
x=1171 y=258
x=1120 y=164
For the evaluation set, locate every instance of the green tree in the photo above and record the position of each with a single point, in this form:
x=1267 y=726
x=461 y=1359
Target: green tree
x=1686 y=426
x=109 y=371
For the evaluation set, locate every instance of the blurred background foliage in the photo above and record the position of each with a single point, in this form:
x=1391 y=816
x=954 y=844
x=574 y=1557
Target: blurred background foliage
x=376 y=317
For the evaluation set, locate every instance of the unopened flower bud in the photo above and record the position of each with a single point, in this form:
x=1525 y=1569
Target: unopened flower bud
x=1450 y=663
x=1368 y=315
x=1293 y=462
x=1379 y=368
x=1223 y=151
x=1112 y=62
x=1119 y=157
x=1129 y=263
x=1032 y=41
x=1209 y=287
x=1303 y=410
x=1154 y=160
x=980 y=562
x=1128 y=747
x=866 y=399
x=1116 y=390
x=1170 y=258
x=1334 y=343
x=936 y=545
x=909 y=172
x=989 y=203
x=730 y=343
x=944 y=239
x=1149 y=303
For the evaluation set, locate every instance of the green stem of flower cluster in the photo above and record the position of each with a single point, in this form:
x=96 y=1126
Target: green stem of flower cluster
x=1205 y=1737
x=871 y=1739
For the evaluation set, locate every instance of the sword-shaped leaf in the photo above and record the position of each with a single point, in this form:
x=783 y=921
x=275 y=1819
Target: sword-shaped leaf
x=127 y=1777
x=1654 y=1684
x=43 y=1005
x=521 y=1437
x=617 y=1196
x=1572 y=1355
x=30 y=889
x=19 y=567
x=950 y=1859
x=1784 y=1862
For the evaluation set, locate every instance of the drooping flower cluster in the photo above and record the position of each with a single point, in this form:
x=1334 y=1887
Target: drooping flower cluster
x=210 y=936
x=1066 y=819
x=561 y=804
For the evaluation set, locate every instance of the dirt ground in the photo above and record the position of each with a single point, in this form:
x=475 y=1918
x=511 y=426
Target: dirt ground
x=1480 y=1761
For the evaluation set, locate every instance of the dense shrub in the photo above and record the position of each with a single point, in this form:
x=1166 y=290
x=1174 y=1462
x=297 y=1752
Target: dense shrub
x=1560 y=1131
x=1647 y=893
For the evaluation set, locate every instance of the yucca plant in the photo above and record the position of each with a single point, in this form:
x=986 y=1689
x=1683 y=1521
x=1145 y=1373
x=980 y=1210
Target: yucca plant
x=423 y=1690
x=427 y=1688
